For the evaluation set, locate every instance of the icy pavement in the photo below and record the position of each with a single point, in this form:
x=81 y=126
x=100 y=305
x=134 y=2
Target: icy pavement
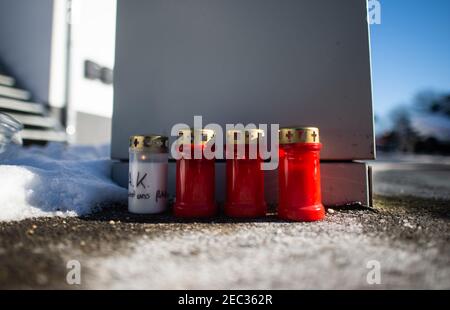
x=56 y=180
x=408 y=238
x=412 y=175
x=334 y=254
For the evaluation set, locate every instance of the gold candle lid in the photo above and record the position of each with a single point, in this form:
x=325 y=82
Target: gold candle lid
x=151 y=143
x=299 y=134
x=195 y=136
x=244 y=136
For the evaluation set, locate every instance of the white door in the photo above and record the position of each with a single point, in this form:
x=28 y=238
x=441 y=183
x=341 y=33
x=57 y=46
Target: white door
x=92 y=33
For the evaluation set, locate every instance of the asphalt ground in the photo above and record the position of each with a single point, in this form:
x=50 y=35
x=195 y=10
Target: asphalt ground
x=408 y=238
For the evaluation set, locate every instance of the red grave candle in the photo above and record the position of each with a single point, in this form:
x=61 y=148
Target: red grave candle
x=300 y=196
x=245 y=179
x=195 y=178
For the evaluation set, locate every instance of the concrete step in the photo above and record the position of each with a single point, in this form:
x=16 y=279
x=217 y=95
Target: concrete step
x=14 y=93
x=43 y=135
x=21 y=106
x=6 y=80
x=36 y=121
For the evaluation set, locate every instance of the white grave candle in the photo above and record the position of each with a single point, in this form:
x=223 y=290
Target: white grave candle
x=147 y=184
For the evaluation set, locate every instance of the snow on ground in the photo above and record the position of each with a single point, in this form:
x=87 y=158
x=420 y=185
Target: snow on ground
x=55 y=180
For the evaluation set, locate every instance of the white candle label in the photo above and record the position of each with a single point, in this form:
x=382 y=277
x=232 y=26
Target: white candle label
x=147 y=187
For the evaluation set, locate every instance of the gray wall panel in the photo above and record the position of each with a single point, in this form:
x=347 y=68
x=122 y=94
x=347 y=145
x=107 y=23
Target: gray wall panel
x=259 y=61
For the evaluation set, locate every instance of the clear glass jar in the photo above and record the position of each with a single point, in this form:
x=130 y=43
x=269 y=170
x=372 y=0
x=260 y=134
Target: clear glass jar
x=9 y=131
x=148 y=166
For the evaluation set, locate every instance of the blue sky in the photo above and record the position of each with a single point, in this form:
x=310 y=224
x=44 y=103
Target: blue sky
x=410 y=51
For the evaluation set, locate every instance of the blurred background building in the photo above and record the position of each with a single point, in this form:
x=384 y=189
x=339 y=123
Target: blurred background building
x=422 y=126
x=56 y=61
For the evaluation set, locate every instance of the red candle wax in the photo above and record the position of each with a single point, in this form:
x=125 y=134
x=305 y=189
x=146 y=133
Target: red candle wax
x=245 y=179
x=300 y=196
x=195 y=178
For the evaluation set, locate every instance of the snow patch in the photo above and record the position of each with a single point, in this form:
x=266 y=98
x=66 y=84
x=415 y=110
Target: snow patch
x=56 y=181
